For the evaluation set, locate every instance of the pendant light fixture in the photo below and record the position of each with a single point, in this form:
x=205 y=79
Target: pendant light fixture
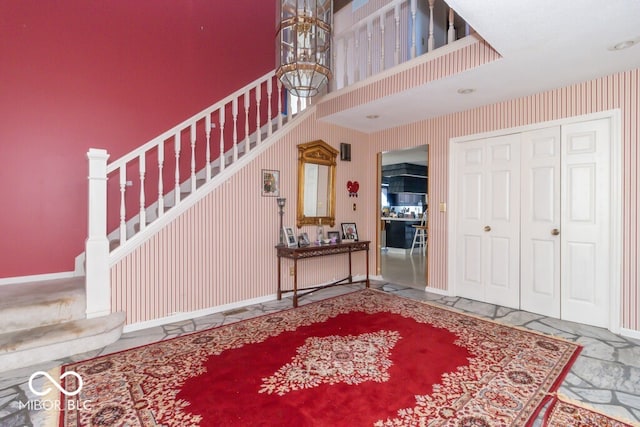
x=304 y=41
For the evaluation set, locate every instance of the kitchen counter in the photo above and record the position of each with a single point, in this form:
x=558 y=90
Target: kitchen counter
x=400 y=231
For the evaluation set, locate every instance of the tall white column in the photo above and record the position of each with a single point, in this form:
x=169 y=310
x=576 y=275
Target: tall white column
x=98 y=287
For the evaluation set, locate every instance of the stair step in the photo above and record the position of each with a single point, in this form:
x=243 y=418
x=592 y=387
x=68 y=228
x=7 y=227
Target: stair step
x=28 y=347
x=31 y=305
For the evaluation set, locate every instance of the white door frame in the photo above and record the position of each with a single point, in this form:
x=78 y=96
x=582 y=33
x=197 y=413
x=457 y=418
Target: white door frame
x=615 y=279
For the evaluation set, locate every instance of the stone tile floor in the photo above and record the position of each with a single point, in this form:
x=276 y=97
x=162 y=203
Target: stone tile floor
x=605 y=376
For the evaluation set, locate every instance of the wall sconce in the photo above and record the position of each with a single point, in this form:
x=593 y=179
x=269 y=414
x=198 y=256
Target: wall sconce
x=345 y=152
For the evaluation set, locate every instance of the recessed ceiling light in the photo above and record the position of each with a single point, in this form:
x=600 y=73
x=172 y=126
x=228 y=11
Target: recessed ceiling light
x=466 y=91
x=372 y=116
x=624 y=44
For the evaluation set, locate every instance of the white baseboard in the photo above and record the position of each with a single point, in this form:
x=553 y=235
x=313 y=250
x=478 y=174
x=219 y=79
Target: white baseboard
x=436 y=291
x=630 y=333
x=178 y=317
x=37 y=278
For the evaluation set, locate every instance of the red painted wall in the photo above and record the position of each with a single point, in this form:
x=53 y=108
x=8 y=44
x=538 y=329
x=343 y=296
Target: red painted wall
x=113 y=74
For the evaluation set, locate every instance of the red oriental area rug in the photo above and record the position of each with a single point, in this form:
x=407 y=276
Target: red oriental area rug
x=366 y=358
x=564 y=412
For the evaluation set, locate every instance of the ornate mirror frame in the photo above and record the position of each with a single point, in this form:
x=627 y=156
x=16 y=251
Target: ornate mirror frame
x=322 y=154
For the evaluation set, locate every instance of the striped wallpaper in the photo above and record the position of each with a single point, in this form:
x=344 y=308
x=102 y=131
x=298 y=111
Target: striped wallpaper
x=221 y=251
x=606 y=93
x=435 y=67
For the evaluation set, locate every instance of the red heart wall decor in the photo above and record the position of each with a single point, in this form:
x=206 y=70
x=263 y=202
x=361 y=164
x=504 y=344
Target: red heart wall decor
x=352 y=188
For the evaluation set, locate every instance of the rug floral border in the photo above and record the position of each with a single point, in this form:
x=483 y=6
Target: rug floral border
x=507 y=380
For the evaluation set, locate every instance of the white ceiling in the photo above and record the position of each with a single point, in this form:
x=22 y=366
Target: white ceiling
x=416 y=155
x=544 y=44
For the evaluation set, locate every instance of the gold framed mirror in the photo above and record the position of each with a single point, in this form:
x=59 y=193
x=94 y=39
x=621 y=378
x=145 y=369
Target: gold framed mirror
x=316 y=184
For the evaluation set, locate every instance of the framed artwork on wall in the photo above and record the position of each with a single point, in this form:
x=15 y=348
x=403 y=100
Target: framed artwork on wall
x=270 y=183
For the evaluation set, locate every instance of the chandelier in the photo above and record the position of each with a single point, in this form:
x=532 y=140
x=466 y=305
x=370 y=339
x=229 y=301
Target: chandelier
x=304 y=41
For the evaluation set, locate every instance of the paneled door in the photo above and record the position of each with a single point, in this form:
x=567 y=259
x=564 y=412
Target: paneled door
x=533 y=221
x=488 y=242
x=540 y=222
x=586 y=222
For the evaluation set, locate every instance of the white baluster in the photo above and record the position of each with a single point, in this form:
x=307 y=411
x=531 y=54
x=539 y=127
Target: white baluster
x=299 y=104
x=356 y=48
x=431 y=42
x=247 y=140
x=176 y=147
x=369 y=47
x=207 y=125
x=97 y=283
x=234 y=113
x=382 y=42
x=346 y=63
x=279 y=83
x=222 y=159
x=451 y=34
x=289 y=106
x=258 y=97
x=193 y=157
x=269 y=90
x=414 y=9
x=160 y=183
x=334 y=57
x=143 y=211
x=396 y=16
x=123 y=210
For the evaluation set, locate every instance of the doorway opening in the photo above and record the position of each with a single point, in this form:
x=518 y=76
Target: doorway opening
x=403 y=203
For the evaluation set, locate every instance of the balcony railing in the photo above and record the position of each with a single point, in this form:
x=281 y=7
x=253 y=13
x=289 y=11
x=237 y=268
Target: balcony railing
x=374 y=38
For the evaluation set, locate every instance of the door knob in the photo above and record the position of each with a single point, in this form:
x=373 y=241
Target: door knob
x=555 y=232
x=487 y=228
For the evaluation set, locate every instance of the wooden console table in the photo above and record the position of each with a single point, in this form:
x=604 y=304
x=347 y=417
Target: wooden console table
x=314 y=251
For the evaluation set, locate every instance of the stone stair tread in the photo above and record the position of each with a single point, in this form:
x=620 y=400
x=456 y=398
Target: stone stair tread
x=45 y=343
x=31 y=305
x=40 y=292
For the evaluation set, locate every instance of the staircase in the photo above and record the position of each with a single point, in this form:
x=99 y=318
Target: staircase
x=153 y=184
x=46 y=320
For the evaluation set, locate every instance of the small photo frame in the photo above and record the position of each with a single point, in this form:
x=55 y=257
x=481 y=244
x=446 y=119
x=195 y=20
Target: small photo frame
x=334 y=236
x=303 y=240
x=349 y=231
x=270 y=183
x=289 y=237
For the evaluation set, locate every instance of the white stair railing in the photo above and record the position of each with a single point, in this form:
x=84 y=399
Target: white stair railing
x=192 y=153
x=188 y=154
x=397 y=32
x=182 y=159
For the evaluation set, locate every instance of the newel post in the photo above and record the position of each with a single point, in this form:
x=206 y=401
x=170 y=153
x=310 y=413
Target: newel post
x=97 y=245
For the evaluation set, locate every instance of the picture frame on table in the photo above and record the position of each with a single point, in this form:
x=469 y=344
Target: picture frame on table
x=270 y=183
x=334 y=236
x=303 y=240
x=349 y=231
x=289 y=237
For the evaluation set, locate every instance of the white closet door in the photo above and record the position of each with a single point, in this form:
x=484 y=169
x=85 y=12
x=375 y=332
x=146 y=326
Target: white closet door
x=540 y=222
x=488 y=243
x=470 y=199
x=586 y=221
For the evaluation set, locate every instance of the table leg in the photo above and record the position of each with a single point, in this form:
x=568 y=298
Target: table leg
x=367 y=262
x=295 y=282
x=279 y=278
